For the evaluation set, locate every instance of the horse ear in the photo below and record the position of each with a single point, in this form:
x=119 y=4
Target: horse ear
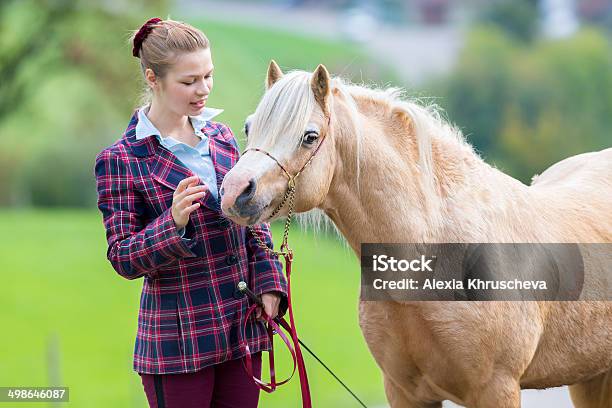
x=274 y=74
x=320 y=86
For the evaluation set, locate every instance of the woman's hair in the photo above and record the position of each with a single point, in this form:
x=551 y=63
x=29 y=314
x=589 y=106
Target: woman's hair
x=158 y=43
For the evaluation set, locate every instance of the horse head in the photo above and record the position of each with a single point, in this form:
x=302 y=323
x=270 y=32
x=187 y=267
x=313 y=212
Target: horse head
x=289 y=140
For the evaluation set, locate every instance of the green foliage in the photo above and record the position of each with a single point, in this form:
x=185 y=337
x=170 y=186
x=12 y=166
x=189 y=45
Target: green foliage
x=56 y=176
x=527 y=107
x=481 y=79
x=63 y=85
x=518 y=18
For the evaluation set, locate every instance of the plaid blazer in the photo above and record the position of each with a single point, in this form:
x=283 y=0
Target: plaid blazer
x=190 y=310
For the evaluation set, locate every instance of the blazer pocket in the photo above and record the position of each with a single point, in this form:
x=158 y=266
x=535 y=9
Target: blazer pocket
x=170 y=330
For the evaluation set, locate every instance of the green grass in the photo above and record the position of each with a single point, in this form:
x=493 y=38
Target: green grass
x=57 y=283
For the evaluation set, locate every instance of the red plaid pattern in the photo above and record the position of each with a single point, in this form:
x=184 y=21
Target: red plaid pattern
x=190 y=310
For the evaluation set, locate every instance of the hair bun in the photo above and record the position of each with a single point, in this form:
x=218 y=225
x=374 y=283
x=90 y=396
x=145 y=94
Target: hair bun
x=142 y=34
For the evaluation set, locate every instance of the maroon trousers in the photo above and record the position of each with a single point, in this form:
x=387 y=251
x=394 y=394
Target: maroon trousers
x=225 y=385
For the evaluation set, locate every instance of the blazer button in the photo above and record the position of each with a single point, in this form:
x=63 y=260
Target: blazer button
x=231 y=259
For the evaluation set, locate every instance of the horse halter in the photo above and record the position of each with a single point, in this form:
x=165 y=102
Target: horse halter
x=288 y=196
x=272 y=326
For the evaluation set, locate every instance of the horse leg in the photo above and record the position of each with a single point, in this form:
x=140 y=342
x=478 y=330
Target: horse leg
x=400 y=398
x=594 y=393
x=499 y=392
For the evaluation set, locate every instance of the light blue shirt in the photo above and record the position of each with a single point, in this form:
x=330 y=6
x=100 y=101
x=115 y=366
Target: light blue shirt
x=197 y=159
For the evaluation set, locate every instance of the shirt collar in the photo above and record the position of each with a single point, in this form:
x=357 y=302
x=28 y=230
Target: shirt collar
x=145 y=128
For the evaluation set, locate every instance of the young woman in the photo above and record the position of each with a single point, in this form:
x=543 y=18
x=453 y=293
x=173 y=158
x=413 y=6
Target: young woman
x=158 y=191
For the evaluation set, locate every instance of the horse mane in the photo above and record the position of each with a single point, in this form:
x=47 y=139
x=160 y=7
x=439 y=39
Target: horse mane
x=424 y=119
x=287 y=106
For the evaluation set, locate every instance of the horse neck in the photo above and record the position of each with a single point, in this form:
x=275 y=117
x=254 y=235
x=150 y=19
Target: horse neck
x=385 y=199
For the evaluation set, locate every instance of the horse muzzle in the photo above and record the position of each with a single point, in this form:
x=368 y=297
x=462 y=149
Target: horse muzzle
x=239 y=204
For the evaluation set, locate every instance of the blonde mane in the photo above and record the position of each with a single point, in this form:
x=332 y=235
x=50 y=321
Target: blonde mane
x=286 y=107
x=427 y=120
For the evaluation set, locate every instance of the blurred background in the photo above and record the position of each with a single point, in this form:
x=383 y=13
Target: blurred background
x=529 y=82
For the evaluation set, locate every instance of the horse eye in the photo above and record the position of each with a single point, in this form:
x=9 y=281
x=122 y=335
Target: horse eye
x=246 y=128
x=309 y=138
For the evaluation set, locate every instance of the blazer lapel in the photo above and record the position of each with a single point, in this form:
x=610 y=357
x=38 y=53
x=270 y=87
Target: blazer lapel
x=223 y=156
x=166 y=169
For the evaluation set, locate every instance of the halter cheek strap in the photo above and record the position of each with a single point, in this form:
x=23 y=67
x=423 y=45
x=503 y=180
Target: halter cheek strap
x=289 y=176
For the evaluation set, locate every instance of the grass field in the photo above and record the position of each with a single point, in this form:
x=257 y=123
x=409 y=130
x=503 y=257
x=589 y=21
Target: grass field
x=68 y=317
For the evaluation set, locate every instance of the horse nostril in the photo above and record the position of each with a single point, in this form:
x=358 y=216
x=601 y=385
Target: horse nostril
x=222 y=191
x=248 y=193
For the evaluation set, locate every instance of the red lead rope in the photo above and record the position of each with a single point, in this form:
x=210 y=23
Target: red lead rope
x=296 y=352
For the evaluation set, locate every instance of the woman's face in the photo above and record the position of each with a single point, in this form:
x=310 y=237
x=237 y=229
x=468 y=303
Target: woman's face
x=185 y=88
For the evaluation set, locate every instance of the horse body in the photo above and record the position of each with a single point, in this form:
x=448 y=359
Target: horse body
x=376 y=183
x=541 y=344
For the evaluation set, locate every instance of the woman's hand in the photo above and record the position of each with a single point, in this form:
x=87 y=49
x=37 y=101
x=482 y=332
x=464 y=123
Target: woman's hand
x=187 y=191
x=271 y=301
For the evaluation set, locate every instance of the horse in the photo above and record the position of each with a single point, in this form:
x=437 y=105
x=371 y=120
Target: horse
x=391 y=169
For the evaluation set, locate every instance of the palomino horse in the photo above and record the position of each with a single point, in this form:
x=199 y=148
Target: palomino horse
x=394 y=171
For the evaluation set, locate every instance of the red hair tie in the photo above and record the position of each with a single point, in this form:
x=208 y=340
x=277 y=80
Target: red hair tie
x=142 y=34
